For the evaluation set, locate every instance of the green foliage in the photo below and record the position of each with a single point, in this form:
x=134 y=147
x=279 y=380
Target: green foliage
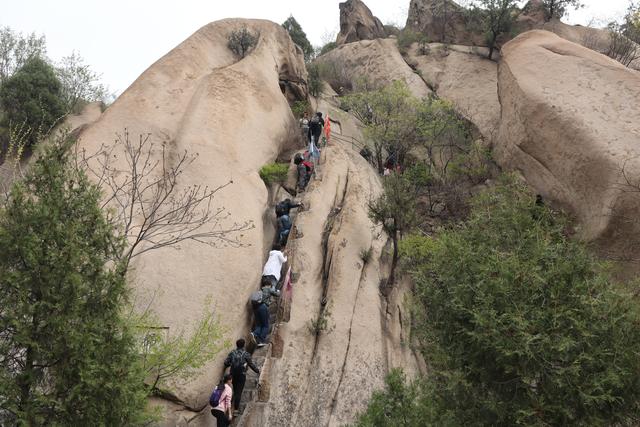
x=299 y=37
x=335 y=74
x=496 y=17
x=299 y=107
x=328 y=47
x=315 y=79
x=16 y=50
x=399 y=404
x=79 y=83
x=395 y=210
x=32 y=97
x=274 y=173
x=68 y=358
x=406 y=38
x=625 y=37
x=320 y=324
x=168 y=356
x=389 y=115
x=559 y=8
x=242 y=41
x=521 y=325
x=365 y=255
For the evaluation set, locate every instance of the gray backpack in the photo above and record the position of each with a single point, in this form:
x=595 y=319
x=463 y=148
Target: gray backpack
x=256 y=298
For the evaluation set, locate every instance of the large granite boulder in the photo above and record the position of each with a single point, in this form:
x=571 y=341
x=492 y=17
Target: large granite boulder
x=358 y=23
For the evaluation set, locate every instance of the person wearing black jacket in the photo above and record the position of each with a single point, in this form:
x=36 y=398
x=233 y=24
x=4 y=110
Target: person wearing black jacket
x=238 y=360
x=285 y=206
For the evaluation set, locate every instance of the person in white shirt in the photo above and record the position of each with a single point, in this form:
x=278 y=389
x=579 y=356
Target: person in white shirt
x=273 y=267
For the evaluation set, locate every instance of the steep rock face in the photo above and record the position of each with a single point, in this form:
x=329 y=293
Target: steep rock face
x=464 y=77
x=325 y=380
x=358 y=23
x=378 y=61
x=569 y=127
x=442 y=21
x=234 y=115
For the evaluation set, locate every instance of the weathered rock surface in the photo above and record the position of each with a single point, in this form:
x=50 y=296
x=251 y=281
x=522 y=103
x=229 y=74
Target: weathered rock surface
x=358 y=23
x=378 y=61
x=442 y=21
x=570 y=120
x=201 y=98
x=465 y=77
x=445 y=21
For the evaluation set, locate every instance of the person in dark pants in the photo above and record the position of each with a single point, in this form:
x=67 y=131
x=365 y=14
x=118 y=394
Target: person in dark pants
x=237 y=361
x=222 y=412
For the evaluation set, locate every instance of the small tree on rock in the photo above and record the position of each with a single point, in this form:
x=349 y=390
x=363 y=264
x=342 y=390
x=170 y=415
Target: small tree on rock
x=558 y=8
x=395 y=211
x=496 y=18
x=242 y=41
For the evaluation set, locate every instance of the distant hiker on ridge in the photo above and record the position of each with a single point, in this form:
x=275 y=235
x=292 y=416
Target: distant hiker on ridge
x=237 y=361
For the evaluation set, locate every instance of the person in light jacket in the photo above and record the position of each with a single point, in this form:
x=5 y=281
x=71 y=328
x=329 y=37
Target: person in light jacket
x=223 y=412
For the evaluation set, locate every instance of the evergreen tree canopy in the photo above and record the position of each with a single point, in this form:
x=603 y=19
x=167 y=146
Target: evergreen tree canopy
x=299 y=37
x=32 y=98
x=66 y=355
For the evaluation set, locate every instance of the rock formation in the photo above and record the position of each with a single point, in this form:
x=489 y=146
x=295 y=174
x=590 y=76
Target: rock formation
x=358 y=23
x=464 y=76
x=201 y=98
x=570 y=127
x=442 y=21
x=377 y=61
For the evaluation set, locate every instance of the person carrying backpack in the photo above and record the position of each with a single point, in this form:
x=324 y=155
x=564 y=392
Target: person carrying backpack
x=285 y=206
x=315 y=132
x=220 y=401
x=237 y=362
x=303 y=173
x=260 y=302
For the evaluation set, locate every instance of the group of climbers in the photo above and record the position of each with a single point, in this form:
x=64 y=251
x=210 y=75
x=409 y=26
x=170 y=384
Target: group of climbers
x=225 y=398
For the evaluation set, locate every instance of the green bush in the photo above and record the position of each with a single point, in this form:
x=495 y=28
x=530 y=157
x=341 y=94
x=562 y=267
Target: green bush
x=32 y=99
x=299 y=107
x=315 y=80
x=274 y=173
x=242 y=41
x=328 y=47
x=520 y=324
x=406 y=38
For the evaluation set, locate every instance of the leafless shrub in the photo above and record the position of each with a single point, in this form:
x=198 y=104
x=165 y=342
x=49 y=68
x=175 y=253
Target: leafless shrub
x=242 y=41
x=148 y=206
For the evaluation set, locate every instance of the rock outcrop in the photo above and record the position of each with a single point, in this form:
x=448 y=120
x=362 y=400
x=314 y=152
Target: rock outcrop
x=377 y=61
x=570 y=127
x=358 y=23
x=234 y=114
x=442 y=21
x=464 y=76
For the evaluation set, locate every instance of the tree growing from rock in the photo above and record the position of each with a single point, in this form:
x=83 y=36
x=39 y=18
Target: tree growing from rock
x=299 y=37
x=558 y=8
x=496 y=18
x=390 y=118
x=395 y=211
x=242 y=41
x=624 y=36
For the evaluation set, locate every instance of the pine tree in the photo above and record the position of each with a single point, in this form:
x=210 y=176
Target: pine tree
x=299 y=37
x=66 y=355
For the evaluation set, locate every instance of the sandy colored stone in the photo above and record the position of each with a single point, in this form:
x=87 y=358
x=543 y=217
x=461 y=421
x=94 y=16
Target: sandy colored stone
x=570 y=120
x=379 y=61
x=358 y=23
x=465 y=77
x=233 y=114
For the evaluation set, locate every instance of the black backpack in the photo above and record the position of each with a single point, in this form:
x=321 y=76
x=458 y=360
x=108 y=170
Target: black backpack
x=314 y=124
x=281 y=208
x=237 y=360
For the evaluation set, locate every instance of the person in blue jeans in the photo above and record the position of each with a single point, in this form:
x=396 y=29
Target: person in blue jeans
x=261 y=314
x=284 y=228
